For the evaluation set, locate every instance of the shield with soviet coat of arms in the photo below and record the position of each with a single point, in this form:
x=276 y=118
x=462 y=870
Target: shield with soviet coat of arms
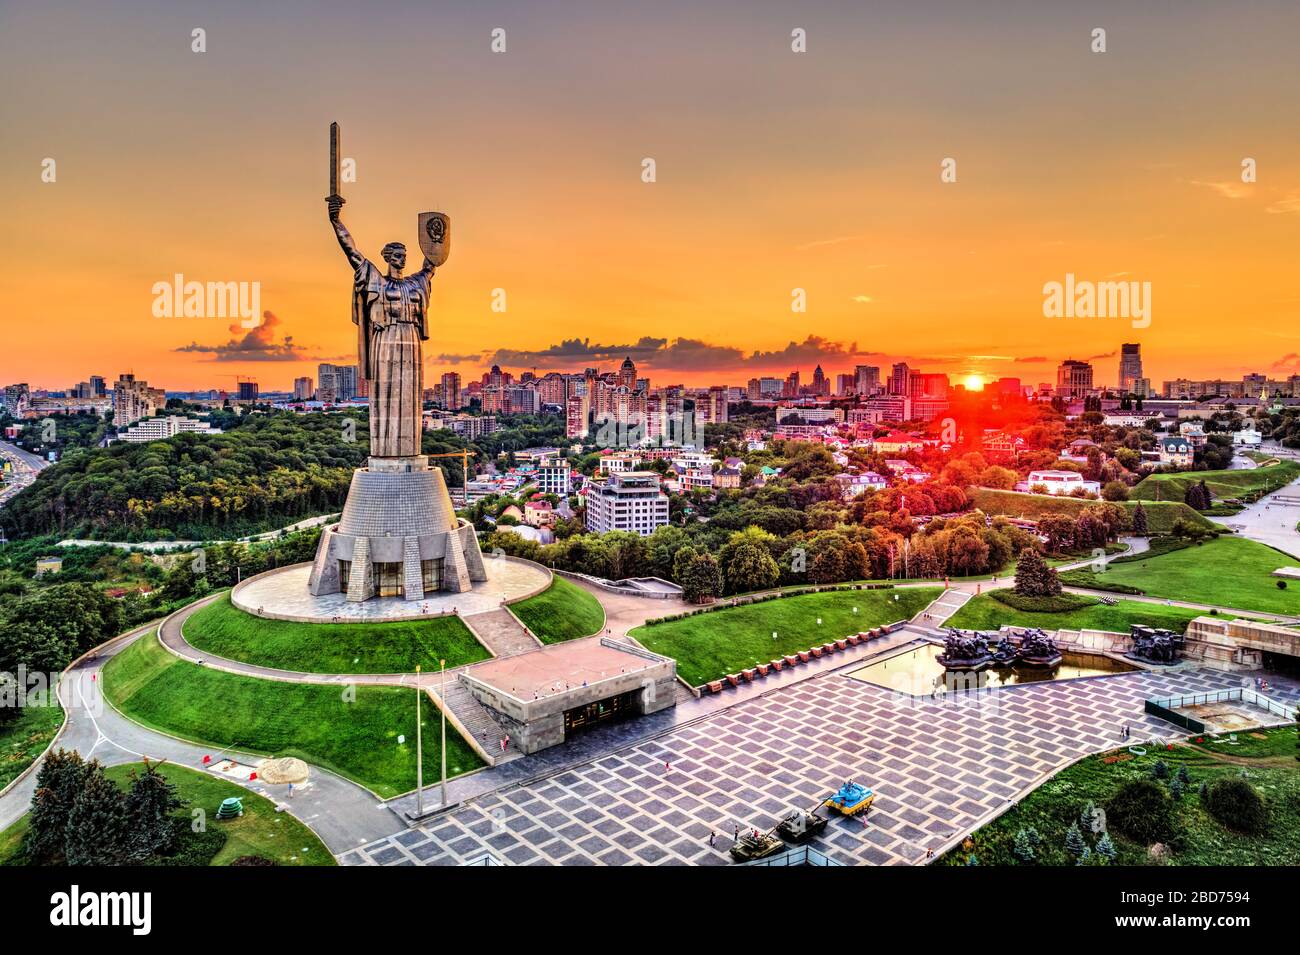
x=435 y=236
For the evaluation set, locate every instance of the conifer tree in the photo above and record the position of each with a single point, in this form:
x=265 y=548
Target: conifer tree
x=150 y=804
x=58 y=782
x=98 y=827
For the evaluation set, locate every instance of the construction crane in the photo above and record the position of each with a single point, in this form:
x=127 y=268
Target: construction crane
x=464 y=455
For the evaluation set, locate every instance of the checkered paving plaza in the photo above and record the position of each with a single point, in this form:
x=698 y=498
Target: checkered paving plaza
x=938 y=768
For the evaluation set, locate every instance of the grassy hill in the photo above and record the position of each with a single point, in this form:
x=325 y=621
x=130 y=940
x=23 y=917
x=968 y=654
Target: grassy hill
x=1227 y=572
x=1247 y=485
x=988 y=613
x=564 y=611
x=223 y=629
x=1160 y=515
x=709 y=645
x=356 y=737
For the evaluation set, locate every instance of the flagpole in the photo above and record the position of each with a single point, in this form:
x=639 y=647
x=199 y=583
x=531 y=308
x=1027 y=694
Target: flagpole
x=419 y=750
x=443 y=708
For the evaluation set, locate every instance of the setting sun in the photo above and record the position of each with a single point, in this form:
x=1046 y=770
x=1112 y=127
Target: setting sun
x=973 y=383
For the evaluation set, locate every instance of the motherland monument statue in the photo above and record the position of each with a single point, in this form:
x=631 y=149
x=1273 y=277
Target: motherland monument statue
x=398 y=535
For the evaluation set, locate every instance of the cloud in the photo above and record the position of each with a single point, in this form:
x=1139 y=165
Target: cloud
x=1032 y=360
x=258 y=344
x=812 y=348
x=679 y=354
x=1287 y=362
x=862 y=299
x=1228 y=189
x=449 y=358
x=838 y=240
x=1289 y=206
x=570 y=350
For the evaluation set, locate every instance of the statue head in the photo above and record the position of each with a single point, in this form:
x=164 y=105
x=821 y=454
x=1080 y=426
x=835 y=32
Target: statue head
x=394 y=253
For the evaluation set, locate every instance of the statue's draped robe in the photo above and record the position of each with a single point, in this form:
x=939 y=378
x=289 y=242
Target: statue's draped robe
x=392 y=319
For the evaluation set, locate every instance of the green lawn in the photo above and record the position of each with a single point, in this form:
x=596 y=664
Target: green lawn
x=561 y=612
x=1052 y=807
x=1033 y=507
x=987 y=613
x=224 y=630
x=707 y=646
x=354 y=739
x=11 y=842
x=1226 y=571
x=26 y=738
x=260 y=831
x=1246 y=484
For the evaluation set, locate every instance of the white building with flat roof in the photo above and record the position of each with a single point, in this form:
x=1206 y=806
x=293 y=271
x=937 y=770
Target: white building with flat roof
x=1059 y=482
x=628 y=501
x=155 y=429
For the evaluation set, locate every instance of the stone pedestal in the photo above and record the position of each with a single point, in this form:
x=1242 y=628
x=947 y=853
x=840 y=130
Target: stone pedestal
x=398 y=528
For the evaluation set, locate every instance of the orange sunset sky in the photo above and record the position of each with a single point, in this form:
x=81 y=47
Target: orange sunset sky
x=775 y=171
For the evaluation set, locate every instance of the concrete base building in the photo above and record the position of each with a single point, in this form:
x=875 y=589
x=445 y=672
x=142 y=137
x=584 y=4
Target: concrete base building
x=549 y=695
x=398 y=536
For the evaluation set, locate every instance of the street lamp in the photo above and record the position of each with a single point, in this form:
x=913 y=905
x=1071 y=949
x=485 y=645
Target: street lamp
x=419 y=750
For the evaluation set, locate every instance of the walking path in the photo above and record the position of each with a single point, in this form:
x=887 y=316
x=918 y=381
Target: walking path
x=502 y=633
x=342 y=813
x=1272 y=520
x=156 y=546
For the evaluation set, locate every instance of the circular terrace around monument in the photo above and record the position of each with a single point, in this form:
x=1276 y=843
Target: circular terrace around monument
x=282 y=594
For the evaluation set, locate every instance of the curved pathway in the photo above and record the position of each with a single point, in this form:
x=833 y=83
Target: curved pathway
x=156 y=546
x=342 y=813
x=1272 y=520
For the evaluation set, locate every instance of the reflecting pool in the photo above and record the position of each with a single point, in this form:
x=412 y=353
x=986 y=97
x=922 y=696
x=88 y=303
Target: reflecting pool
x=918 y=672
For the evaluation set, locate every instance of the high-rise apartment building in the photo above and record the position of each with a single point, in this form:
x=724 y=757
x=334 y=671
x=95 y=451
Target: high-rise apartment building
x=1073 y=379
x=302 y=388
x=868 y=379
x=451 y=391
x=133 y=400
x=900 y=380
x=1130 y=368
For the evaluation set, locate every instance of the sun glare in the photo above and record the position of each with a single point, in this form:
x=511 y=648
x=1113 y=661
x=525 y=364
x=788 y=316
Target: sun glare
x=973 y=383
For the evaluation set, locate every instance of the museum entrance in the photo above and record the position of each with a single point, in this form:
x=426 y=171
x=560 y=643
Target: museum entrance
x=388 y=579
x=431 y=573
x=610 y=710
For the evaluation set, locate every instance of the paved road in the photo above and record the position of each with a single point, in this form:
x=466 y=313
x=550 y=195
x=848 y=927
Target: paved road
x=156 y=546
x=1270 y=521
x=25 y=468
x=343 y=814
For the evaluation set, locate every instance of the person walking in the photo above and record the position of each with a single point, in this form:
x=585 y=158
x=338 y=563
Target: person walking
x=712 y=836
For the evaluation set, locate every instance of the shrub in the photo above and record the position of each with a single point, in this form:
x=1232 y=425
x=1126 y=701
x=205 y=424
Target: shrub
x=1143 y=811
x=1160 y=770
x=1106 y=848
x=1023 y=847
x=1061 y=603
x=191 y=848
x=1074 y=843
x=1236 y=804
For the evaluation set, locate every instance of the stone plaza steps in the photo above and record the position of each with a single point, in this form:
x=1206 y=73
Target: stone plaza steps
x=501 y=632
x=943 y=607
x=476 y=720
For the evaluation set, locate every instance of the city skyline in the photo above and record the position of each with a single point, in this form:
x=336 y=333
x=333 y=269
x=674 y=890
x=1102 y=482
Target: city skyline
x=831 y=185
